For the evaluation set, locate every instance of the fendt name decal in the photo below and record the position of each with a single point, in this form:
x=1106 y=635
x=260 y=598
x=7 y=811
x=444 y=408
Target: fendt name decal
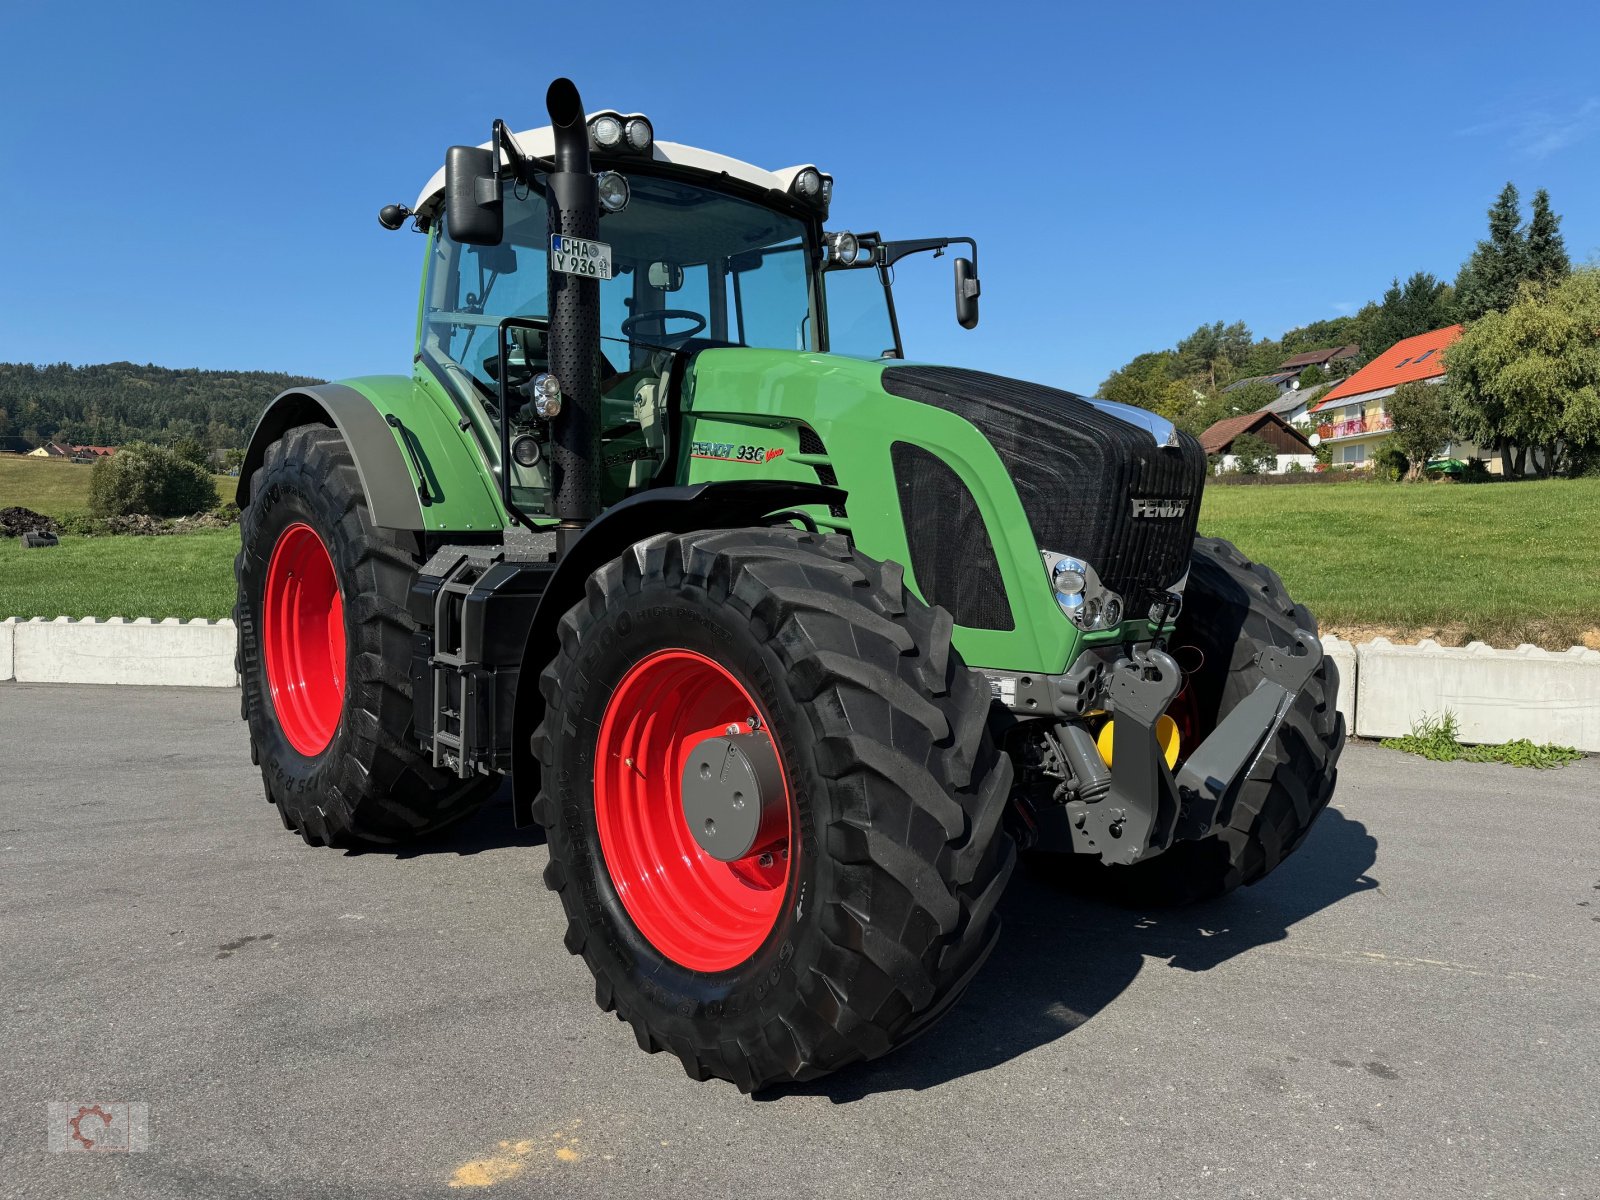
x=1160 y=508
x=731 y=452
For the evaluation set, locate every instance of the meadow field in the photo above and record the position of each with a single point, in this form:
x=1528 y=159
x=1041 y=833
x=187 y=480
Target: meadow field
x=1504 y=562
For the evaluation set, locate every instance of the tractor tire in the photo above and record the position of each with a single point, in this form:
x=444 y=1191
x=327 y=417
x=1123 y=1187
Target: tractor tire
x=1234 y=609
x=324 y=650
x=866 y=920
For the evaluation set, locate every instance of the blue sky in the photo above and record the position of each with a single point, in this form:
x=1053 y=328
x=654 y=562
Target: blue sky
x=196 y=185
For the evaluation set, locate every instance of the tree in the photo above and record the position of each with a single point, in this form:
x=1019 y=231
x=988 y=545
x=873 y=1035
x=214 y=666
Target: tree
x=1143 y=382
x=1214 y=347
x=1253 y=454
x=1547 y=250
x=1489 y=278
x=1422 y=304
x=1421 y=415
x=1311 y=376
x=190 y=450
x=1529 y=378
x=143 y=479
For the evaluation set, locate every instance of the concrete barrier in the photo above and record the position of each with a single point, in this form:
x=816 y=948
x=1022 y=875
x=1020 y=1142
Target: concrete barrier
x=1384 y=689
x=1344 y=657
x=170 y=652
x=1496 y=695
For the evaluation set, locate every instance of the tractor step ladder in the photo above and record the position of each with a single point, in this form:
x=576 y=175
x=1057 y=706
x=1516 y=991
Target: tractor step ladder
x=451 y=706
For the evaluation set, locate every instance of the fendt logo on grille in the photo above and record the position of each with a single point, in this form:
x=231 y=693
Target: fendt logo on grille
x=1160 y=508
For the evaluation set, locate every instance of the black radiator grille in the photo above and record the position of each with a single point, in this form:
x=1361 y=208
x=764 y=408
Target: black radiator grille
x=1079 y=472
x=951 y=554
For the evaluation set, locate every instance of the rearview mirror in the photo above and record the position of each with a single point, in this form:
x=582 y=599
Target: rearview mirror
x=967 y=289
x=473 y=214
x=666 y=276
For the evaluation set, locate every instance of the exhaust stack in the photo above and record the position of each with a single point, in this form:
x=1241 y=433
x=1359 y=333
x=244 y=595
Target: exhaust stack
x=574 y=343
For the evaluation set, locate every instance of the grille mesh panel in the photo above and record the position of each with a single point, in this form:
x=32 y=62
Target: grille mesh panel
x=951 y=554
x=1077 y=471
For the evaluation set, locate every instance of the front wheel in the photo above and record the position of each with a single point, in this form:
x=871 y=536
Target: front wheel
x=772 y=805
x=323 y=654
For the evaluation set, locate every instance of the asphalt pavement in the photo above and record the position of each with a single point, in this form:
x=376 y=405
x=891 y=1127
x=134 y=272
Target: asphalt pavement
x=1409 y=1008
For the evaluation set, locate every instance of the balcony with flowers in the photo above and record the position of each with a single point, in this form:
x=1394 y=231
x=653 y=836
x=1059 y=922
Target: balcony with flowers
x=1349 y=427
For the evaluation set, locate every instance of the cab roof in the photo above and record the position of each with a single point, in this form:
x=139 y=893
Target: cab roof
x=541 y=143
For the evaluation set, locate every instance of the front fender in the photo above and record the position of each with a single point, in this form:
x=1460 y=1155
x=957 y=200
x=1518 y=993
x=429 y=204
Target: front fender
x=418 y=469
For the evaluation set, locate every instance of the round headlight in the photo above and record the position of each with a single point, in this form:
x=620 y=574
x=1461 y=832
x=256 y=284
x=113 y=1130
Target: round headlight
x=546 y=395
x=526 y=450
x=808 y=183
x=843 y=248
x=1089 y=614
x=1112 y=612
x=1068 y=578
x=827 y=190
x=607 y=132
x=640 y=135
x=1166 y=609
x=613 y=190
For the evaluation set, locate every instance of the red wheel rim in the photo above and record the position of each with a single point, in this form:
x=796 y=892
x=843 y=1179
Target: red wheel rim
x=701 y=912
x=302 y=633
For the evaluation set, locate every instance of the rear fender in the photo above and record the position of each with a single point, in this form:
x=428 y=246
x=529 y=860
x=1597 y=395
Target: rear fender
x=419 y=470
x=727 y=505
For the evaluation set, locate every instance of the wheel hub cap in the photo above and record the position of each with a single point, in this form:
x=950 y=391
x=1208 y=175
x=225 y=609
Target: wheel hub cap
x=666 y=765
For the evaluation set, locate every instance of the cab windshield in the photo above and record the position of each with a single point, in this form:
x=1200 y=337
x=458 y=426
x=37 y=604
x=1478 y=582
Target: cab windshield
x=687 y=262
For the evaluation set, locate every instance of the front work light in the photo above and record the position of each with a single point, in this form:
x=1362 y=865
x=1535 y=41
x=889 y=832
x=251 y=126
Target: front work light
x=607 y=132
x=613 y=188
x=843 y=248
x=640 y=135
x=808 y=183
x=546 y=395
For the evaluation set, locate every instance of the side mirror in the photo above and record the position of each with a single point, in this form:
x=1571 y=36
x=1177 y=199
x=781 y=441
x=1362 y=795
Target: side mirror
x=967 y=289
x=472 y=208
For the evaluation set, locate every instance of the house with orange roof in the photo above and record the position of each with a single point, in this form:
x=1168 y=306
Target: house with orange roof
x=1351 y=418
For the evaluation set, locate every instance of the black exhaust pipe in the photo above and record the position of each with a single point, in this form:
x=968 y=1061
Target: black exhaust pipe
x=574 y=344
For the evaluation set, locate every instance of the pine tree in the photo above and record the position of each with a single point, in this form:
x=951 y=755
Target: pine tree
x=1547 y=251
x=1489 y=279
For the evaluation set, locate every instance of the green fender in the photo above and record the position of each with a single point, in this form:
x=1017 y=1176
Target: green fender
x=419 y=469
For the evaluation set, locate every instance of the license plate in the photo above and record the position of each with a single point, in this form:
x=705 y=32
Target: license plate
x=575 y=256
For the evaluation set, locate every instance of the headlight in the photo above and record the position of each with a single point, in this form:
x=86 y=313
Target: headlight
x=808 y=183
x=607 y=132
x=1112 y=612
x=843 y=248
x=1069 y=577
x=1162 y=611
x=546 y=395
x=827 y=190
x=640 y=135
x=613 y=191
x=526 y=450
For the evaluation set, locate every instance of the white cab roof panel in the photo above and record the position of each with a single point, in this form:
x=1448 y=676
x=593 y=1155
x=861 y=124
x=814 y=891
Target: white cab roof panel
x=541 y=143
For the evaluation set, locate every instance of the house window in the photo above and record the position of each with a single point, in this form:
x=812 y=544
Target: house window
x=1420 y=357
x=1401 y=363
x=1355 y=454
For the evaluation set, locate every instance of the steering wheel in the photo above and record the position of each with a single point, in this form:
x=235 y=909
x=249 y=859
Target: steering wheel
x=661 y=316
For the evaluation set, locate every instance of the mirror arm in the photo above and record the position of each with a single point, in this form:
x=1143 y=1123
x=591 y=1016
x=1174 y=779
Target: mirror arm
x=887 y=254
x=521 y=164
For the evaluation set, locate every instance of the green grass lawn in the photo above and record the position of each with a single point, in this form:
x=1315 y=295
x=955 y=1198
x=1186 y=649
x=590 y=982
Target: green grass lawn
x=60 y=489
x=1504 y=562
x=182 y=575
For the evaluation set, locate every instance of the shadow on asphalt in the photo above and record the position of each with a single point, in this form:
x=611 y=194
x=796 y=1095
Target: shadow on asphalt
x=1063 y=957
x=489 y=828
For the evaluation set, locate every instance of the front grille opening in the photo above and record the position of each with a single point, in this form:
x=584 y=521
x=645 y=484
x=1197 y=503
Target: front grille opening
x=951 y=554
x=811 y=443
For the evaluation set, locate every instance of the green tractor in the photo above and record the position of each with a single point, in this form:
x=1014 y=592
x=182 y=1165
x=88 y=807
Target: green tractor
x=788 y=643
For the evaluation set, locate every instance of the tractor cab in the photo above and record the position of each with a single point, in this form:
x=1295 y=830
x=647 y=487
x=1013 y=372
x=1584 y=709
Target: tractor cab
x=693 y=251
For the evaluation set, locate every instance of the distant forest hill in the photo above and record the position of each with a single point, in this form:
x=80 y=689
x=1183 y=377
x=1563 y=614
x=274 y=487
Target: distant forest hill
x=111 y=404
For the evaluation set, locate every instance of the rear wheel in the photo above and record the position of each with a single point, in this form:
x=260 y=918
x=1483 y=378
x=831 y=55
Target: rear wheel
x=323 y=654
x=789 y=855
x=1233 y=610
